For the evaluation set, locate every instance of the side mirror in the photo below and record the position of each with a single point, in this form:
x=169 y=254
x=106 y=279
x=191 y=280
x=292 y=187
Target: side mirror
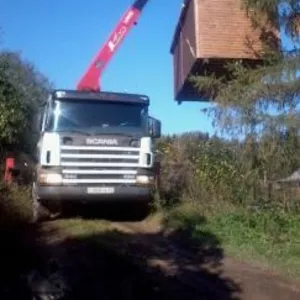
x=37 y=122
x=154 y=127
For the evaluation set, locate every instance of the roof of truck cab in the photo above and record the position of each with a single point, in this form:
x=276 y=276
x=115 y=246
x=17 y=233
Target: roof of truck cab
x=102 y=95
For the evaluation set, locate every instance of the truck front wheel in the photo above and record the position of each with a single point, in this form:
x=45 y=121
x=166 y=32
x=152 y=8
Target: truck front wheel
x=39 y=211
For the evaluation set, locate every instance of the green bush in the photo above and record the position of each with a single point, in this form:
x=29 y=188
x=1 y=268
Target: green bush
x=15 y=205
x=198 y=169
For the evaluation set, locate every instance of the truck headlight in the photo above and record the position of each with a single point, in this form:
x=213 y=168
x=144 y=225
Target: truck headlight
x=50 y=179
x=144 y=179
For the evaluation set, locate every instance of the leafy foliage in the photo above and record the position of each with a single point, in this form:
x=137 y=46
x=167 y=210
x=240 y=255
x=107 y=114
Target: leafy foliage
x=284 y=12
x=22 y=90
x=196 y=167
x=201 y=169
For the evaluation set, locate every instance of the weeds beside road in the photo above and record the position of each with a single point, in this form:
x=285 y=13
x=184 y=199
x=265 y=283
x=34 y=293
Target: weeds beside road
x=263 y=238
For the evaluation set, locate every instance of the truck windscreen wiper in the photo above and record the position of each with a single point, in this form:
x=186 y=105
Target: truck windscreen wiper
x=109 y=133
x=130 y=134
x=77 y=131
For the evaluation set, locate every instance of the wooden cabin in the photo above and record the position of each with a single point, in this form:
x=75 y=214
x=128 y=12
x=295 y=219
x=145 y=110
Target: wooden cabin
x=208 y=34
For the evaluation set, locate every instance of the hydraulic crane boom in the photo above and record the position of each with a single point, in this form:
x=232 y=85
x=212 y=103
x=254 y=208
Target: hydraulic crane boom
x=91 y=78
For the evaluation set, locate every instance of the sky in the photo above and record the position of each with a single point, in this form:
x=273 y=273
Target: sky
x=62 y=37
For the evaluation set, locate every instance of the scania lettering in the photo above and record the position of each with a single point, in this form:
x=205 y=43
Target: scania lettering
x=101 y=142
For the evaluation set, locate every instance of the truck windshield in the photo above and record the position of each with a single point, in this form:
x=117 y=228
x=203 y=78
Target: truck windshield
x=90 y=116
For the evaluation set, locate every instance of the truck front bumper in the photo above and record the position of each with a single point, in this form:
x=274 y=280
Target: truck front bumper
x=82 y=194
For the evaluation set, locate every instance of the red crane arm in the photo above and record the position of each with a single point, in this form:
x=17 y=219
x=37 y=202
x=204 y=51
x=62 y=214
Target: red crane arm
x=91 y=78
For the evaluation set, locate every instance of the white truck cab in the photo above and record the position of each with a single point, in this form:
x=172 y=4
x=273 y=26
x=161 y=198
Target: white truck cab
x=94 y=146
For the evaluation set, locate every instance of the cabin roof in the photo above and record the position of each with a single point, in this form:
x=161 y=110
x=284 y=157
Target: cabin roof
x=186 y=4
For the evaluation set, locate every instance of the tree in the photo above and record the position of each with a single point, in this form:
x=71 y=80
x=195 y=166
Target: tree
x=22 y=91
x=265 y=98
x=261 y=103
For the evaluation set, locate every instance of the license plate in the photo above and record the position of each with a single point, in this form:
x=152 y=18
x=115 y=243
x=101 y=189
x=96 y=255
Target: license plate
x=100 y=190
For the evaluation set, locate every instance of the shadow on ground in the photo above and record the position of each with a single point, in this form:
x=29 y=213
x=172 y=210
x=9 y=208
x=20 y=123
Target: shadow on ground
x=116 y=211
x=116 y=265
x=48 y=262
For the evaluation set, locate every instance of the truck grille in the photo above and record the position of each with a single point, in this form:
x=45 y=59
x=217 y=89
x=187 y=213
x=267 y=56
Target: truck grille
x=99 y=165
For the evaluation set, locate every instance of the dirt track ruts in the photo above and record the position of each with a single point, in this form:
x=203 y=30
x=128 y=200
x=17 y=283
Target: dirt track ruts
x=246 y=281
x=140 y=261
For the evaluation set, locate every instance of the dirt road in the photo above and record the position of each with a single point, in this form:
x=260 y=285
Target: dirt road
x=124 y=260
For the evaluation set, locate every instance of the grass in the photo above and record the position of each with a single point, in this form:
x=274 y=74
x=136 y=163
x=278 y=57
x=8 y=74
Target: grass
x=15 y=205
x=78 y=227
x=259 y=237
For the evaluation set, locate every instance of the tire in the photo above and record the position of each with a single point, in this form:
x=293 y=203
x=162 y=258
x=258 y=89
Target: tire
x=39 y=212
x=140 y=211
